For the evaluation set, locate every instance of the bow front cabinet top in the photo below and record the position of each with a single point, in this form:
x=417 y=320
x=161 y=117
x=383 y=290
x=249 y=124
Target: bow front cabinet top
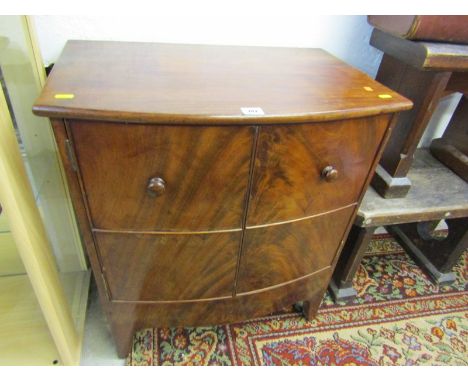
x=212 y=183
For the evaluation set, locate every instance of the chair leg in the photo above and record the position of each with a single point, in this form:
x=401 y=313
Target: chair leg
x=424 y=88
x=341 y=286
x=434 y=255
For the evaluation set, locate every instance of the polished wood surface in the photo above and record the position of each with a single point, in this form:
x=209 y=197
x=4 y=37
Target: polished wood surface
x=205 y=172
x=288 y=180
x=280 y=253
x=191 y=274
x=148 y=82
x=129 y=317
x=182 y=200
x=145 y=267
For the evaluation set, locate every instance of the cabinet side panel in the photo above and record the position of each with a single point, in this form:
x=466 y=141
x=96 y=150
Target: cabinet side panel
x=79 y=206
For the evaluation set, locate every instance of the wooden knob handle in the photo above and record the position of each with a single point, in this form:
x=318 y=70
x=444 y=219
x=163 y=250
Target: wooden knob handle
x=156 y=186
x=329 y=173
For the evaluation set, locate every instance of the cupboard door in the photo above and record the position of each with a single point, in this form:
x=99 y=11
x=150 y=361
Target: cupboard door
x=307 y=169
x=163 y=178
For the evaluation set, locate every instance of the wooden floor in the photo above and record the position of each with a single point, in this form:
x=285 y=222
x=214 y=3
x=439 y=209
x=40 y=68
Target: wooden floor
x=24 y=336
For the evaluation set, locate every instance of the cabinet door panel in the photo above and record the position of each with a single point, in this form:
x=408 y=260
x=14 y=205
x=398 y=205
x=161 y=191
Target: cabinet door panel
x=289 y=180
x=281 y=253
x=204 y=172
x=153 y=267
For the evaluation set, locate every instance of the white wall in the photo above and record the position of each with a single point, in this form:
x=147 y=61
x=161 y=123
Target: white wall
x=346 y=37
x=440 y=119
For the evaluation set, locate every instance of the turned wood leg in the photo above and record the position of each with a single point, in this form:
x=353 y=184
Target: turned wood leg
x=341 y=285
x=452 y=148
x=436 y=256
x=424 y=88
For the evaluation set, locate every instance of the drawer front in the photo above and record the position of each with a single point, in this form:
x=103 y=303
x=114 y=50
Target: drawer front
x=173 y=267
x=303 y=170
x=281 y=253
x=163 y=178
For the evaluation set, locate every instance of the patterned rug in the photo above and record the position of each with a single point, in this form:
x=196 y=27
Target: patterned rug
x=399 y=318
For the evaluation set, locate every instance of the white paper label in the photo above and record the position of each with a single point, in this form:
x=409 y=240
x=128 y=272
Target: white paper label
x=252 y=111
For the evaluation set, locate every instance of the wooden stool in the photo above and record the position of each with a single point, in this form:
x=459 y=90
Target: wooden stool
x=423 y=72
x=436 y=194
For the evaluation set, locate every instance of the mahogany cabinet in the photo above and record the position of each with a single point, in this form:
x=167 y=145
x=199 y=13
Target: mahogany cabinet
x=212 y=184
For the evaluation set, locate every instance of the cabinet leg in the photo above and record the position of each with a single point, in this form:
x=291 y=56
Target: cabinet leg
x=123 y=337
x=310 y=307
x=436 y=256
x=341 y=286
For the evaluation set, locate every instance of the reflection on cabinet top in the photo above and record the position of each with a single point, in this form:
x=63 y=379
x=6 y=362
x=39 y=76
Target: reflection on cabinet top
x=202 y=84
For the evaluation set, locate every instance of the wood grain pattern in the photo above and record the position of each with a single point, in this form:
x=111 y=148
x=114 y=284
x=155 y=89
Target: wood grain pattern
x=129 y=317
x=201 y=84
x=288 y=182
x=281 y=253
x=142 y=267
x=168 y=257
x=205 y=170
